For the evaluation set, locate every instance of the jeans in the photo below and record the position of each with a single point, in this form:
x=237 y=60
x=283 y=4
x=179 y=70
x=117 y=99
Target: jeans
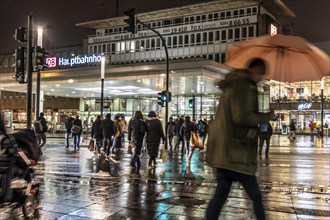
x=67 y=137
x=135 y=162
x=76 y=140
x=170 y=139
x=189 y=150
x=107 y=145
x=225 y=178
x=261 y=144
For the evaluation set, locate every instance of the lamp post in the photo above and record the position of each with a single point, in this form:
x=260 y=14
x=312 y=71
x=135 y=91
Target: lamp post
x=102 y=80
x=322 y=100
x=38 y=99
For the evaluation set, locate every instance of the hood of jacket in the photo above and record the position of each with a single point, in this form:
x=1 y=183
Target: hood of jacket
x=233 y=77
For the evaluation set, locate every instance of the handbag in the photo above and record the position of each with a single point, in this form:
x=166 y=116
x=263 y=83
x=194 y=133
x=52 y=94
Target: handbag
x=162 y=153
x=91 y=145
x=129 y=149
x=75 y=129
x=195 y=140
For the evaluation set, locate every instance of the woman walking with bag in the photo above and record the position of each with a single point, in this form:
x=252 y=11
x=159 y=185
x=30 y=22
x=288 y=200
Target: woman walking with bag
x=136 y=132
x=154 y=134
x=76 y=132
x=186 y=130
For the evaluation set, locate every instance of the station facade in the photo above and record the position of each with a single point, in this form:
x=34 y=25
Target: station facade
x=197 y=38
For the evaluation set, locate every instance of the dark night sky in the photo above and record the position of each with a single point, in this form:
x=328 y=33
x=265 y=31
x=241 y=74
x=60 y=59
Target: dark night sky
x=60 y=16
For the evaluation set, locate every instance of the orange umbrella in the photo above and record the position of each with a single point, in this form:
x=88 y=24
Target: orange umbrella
x=289 y=58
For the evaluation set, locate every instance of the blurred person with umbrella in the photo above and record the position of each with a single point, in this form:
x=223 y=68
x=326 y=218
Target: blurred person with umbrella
x=232 y=145
x=290 y=59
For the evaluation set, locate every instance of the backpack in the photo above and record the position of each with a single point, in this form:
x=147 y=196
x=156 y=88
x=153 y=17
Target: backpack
x=38 y=126
x=263 y=127
x=201 y=128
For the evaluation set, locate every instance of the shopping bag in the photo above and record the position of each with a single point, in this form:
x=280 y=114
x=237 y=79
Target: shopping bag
x=195 y=140
x=162 y=153
x=91 y=145
x=129 y=149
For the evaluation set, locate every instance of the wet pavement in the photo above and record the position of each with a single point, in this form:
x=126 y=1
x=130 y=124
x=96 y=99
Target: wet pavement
x=294 y=182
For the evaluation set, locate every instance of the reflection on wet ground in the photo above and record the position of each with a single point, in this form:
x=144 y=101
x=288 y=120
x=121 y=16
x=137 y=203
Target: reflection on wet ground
x=81 y=185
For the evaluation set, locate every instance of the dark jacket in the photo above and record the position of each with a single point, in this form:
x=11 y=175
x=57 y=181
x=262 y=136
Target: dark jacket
x=43 y=123
x=178 y=126
x=154 y=134
x=78 y=123
x=267 y=134
x=187 y=128
x=68 y=123
x=136 y=131
x=233 y=140
x=108 y=128
x=96 y=129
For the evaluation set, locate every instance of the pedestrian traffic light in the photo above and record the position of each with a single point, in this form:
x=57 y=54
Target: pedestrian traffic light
x=131 y=21
x=20 y=65
x=191 y=103
x=39 y=55
x=164 y=96
x=159 y=98
x=20 y=34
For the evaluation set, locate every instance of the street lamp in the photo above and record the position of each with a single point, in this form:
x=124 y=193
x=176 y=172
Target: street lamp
x=102 y=80
x=322 y=102
x=38 y=99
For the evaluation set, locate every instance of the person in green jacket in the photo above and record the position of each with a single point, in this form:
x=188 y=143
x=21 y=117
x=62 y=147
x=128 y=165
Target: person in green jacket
x=232 y=142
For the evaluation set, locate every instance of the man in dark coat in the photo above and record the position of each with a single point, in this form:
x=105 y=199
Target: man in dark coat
x=136 y=132
x=76 y=133
x=154 y=134
x=68 y=126
x=96 y=133
x=177 y=131
x=108 y=130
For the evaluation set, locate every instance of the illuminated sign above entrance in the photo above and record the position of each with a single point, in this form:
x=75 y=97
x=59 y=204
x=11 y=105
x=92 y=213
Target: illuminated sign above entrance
x=305 y=106
x=77 y=60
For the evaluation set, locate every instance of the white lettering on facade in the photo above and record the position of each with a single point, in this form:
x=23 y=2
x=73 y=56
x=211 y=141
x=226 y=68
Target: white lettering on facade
x=178 y=29
x=75 y=60
x=305 y=106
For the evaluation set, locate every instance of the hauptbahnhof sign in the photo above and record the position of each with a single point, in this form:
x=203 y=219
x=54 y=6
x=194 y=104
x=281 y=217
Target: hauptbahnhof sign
x=54 y=62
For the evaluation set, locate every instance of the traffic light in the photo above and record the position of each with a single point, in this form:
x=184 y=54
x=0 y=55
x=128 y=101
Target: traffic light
x=164 y=96
x=191 y=103
x=20 y=65
x=20 y=34
x=131 y=21
x=160 y=98
x=38 y=62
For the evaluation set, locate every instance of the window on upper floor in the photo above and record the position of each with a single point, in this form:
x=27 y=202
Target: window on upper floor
x=192 y=39
x=230 y=34
x=5 y=63
x=153 y=43
x=175 y=41
x=237 y=34
x=142 y=47
x=169 y=42
x=203 y=17
x=223 y=15
x=211 y=37
x=132 y=46
x=147 y=44
x=12 y=61
x=216 y=16
x=178 y=21
x=204 y=37
x=186 y=20
x=158 y=43
x=198 y=38
x=254 y=10
x=192 y=19
x=217 y=36
x=241 y=12
x=210 y=17
x=228 y=14
x=251 y=31
x=180 y=41
x=248 y=11
x=223 y=36
x=186 y=39
x=244 y=32
x=235 y=13
x=198 y=18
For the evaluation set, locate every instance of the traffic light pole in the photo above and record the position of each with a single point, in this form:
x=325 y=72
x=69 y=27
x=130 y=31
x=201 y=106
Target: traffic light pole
x=29 y=74
x=167 y=75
